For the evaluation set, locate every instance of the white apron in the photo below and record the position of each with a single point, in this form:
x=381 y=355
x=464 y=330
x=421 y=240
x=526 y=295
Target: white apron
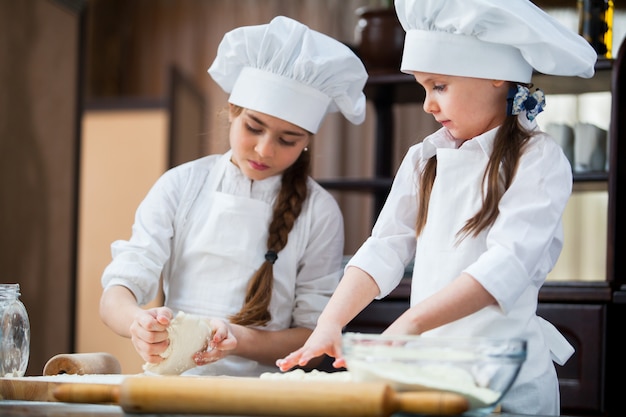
x=456 y=196
x=222 y=251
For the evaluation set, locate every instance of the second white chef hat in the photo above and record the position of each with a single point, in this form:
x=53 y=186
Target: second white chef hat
x=493 y=39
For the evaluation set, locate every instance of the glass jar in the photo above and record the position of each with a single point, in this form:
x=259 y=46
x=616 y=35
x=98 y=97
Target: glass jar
x=14 y=332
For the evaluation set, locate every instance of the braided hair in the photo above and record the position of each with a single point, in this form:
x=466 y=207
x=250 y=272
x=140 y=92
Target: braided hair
x=288 y=206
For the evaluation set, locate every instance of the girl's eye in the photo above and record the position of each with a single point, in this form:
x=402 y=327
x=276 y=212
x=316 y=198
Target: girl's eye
x=257 y=131
x=439 y=87
x=252 y=129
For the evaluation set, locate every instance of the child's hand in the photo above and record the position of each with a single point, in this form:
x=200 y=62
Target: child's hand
x=220 y=345
x=149 y=333
x=322 y=341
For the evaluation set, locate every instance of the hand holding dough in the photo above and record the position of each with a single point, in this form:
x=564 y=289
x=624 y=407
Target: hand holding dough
x=188 y=334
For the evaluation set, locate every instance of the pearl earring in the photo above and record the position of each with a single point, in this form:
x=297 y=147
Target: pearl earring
x=306 y=149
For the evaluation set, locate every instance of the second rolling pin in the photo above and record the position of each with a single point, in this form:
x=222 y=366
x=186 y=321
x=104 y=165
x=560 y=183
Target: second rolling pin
x=82 y=364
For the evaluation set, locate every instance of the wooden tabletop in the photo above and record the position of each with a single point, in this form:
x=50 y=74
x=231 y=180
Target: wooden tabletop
x=10 y=408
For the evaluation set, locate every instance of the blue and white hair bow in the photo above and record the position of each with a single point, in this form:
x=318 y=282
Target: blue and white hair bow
x=522 y=100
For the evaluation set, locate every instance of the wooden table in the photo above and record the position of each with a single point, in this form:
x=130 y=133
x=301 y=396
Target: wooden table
x=55 y=409
x=172 y=395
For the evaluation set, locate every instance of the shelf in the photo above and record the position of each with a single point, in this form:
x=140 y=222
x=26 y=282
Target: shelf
x=374 y=185
x=357 y=184
x=600 y=82
x=396 y=88
x=591 y=176
x=575 y=291
x=402 y=88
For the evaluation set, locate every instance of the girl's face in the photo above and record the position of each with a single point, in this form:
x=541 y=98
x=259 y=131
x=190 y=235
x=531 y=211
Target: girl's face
x=466 y=106
x=263 y=145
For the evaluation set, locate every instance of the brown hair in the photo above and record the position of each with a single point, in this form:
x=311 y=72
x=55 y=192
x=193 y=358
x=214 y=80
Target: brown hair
x=507 y=150
x=293 y=192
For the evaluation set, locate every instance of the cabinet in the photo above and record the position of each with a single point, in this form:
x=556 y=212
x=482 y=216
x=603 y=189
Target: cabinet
x=589 y=314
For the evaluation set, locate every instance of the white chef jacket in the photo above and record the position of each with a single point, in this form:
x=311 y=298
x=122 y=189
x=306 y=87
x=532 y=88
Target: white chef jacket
x=510 y=259
x=169 y=237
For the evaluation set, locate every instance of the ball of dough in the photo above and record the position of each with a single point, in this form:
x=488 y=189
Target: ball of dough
x=188 y=334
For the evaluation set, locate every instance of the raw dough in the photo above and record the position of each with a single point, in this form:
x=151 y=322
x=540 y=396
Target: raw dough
x=188 y=334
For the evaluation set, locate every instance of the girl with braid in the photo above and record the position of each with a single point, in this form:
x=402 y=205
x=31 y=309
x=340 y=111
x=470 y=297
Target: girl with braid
x=477 y=206
x=247 y=240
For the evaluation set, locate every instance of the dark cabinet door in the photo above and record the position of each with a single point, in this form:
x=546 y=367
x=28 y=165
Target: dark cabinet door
x=581 y=378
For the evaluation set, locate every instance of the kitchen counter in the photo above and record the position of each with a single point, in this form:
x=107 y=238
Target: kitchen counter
x=11 y=408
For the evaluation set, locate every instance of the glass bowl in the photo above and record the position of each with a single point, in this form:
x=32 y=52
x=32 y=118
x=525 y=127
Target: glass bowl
x=481 y=369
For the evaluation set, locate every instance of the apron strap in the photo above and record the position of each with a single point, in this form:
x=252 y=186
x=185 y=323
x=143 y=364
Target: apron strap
x=192 y=188
x=560 y=348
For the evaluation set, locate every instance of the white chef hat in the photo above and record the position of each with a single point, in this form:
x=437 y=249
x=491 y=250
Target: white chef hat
x=493 y=39
x=289 y=71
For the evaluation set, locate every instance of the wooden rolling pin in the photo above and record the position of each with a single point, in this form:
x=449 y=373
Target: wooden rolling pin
x=82 y=364
x=258 y=397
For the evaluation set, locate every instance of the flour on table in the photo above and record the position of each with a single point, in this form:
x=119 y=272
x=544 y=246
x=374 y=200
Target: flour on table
x=313 y=375
x=188 y=334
